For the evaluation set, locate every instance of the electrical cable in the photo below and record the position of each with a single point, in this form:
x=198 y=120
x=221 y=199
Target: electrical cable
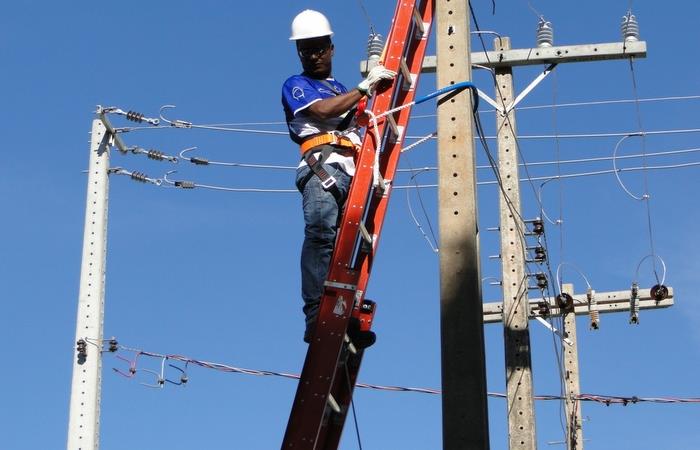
x=352 y=404
x=426 y=116
x=204 y=161
x=369 y=20
x=571 y=175
x=646 y=174
x=605 y=399
x=433 y=247
x=167 y=182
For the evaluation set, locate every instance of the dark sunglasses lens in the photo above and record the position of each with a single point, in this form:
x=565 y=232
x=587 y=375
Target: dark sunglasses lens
x=309 y=52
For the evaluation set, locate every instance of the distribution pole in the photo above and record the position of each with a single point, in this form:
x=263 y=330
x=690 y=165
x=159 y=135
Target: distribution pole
x=464 y=395
x=84 y=420
x=574 y=426
x=521 y=420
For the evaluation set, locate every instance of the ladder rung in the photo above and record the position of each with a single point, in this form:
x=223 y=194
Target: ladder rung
x=351 y=347
x=409 y=79
x=418 y=22
x=367 y=240
x=399 y=133
x=333 y=404
x=392 y=124
x=365 y=234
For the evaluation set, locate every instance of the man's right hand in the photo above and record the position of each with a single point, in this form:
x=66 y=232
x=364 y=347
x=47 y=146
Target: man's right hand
x=374 y=77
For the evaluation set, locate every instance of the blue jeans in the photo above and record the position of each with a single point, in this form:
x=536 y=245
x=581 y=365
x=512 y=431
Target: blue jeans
x=322 y=213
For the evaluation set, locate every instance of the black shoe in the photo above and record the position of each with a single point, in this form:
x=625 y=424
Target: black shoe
x=360 y=339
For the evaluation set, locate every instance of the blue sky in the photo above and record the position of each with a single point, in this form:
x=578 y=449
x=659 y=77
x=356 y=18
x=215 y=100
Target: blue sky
x=214 y=275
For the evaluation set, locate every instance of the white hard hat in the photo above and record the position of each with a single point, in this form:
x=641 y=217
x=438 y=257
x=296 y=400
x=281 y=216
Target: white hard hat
x=310 y=24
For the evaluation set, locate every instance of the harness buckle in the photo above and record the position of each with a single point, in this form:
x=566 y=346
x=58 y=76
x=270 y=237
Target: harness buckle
x=328 y=182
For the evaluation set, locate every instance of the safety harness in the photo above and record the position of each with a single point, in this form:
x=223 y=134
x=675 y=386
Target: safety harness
x=330 y=142
x=327 y=143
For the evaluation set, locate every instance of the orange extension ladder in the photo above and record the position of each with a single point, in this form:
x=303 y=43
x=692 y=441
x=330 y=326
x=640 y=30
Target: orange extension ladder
x=324 y=393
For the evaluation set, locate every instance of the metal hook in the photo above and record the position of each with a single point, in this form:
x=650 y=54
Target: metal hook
x=663 y=265
x=182 y=153
x=576 y=269
x=194 y=160
x=539 y=199
x=178 y=183
x=173 y=123
x=616 y=170
x=132 y=366
x=496 y=283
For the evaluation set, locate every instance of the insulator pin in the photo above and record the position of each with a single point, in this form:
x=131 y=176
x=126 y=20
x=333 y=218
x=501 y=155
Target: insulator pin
x=593 y=311
x=565 y=301
x=113 y=345
x=81 y=347
x=139 y=176
x=375 y=46
x=542 y=282
x=659 y=292
x=545 y=33
x=630 y=27
x=538 y=227
x=540 y=254
x=634 y=304
x=157 y=155
x=134 y=116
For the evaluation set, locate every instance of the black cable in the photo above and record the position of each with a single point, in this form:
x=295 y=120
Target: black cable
x=352 y=404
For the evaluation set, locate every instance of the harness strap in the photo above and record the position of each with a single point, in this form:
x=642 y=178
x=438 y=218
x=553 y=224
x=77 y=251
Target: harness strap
x=326 y=138
x=328 y=182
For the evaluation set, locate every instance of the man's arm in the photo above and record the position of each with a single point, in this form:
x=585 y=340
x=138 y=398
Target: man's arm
x=334 y=106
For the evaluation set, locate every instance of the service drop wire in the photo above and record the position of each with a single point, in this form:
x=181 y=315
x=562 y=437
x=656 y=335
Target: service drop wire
x=604 y=399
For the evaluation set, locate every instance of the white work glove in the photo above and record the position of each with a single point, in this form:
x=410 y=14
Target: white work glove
x=374 y=77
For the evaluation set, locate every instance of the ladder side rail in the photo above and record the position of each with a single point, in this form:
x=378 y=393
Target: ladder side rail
x=390 y=158
x=322 y=357
x=347 y=374
x=362 y=181
x=310 y=404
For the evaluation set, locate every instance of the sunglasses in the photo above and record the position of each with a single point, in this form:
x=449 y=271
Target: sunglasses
x=313 y=51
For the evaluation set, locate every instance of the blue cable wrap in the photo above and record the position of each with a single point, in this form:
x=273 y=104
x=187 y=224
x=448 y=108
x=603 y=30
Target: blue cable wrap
x=454 y=87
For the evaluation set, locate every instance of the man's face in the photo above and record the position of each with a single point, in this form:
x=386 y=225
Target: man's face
x=315 y=55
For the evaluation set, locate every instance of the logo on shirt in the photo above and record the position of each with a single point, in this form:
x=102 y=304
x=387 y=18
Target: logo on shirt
x=297 y=93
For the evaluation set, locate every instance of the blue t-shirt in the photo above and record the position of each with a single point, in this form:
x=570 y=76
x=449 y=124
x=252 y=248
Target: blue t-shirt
x=300 y=91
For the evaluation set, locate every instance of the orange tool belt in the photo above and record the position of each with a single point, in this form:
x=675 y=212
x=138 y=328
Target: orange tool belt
x=327 y=138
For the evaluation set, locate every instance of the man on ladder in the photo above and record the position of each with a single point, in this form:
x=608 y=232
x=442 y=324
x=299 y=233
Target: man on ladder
x=320 y=115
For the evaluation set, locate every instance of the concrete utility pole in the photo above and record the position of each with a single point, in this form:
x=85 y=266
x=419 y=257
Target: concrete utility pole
x=458 y=261
x=464 y=395
x=521 y=420
x=574 y=426
x=515 y=310
x=84 y=420
x=591 y=304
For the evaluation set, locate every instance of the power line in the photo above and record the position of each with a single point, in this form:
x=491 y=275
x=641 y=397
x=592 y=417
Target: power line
x=204 y=161
x=425 y=116
x=167 y=182
x=114 y=347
